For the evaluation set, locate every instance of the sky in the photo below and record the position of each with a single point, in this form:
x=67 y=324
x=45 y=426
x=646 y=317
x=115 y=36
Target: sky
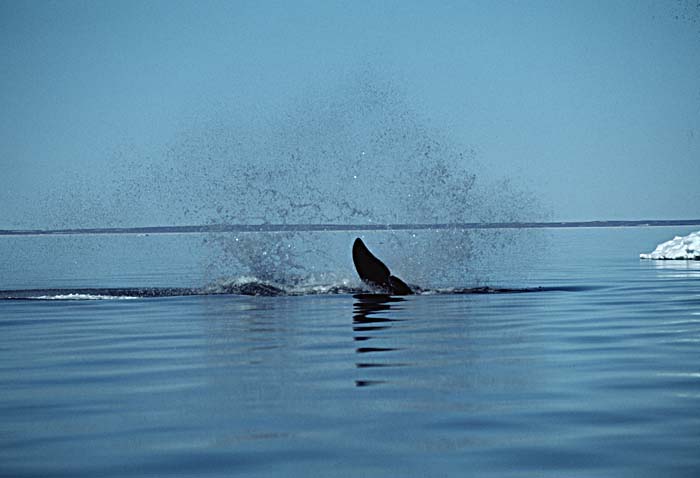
x=591 y=108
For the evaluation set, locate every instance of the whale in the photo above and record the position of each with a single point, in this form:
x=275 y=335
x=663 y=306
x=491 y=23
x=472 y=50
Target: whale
x=375 y=273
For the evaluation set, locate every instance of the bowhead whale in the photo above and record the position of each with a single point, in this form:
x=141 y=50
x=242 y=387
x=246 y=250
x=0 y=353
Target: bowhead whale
x=375 y=273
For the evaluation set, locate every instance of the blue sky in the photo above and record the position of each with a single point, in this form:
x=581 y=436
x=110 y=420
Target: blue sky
x=592 y=107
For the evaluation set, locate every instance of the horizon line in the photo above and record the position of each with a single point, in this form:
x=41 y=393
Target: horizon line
x=331 y=227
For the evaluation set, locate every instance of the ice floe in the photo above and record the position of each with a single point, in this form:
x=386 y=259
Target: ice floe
x=686 y=247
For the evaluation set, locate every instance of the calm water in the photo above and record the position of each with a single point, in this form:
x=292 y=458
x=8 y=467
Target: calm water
x=601 y=380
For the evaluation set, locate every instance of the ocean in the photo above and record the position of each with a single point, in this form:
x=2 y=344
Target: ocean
x=588 y=364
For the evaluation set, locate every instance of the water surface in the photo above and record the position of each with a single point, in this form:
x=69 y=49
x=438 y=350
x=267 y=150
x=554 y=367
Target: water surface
x=599 y=379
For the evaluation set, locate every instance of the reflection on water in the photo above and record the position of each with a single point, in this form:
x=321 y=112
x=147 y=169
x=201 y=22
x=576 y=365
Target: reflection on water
x=568 y=381
x=677 y=269
x=369 y=326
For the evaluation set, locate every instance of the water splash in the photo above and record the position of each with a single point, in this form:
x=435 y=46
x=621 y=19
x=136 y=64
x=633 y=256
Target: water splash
x=355 y=153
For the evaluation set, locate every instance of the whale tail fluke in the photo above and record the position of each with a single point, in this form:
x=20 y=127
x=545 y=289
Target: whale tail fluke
x=374 y=272
x=399 y=287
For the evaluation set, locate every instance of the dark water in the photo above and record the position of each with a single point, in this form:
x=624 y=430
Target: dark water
x=599 y=376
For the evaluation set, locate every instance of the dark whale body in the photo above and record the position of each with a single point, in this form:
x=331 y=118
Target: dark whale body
x=375 y=273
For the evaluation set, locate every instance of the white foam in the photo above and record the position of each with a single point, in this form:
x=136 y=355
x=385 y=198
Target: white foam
x=313 y=287
x=309 y=285
x=82 y=297
x=685 y=247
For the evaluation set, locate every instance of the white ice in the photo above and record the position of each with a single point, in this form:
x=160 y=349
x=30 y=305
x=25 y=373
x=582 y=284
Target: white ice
x=686 y=247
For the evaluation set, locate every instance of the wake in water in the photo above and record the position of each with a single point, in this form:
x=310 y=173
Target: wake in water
x=245 y=287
